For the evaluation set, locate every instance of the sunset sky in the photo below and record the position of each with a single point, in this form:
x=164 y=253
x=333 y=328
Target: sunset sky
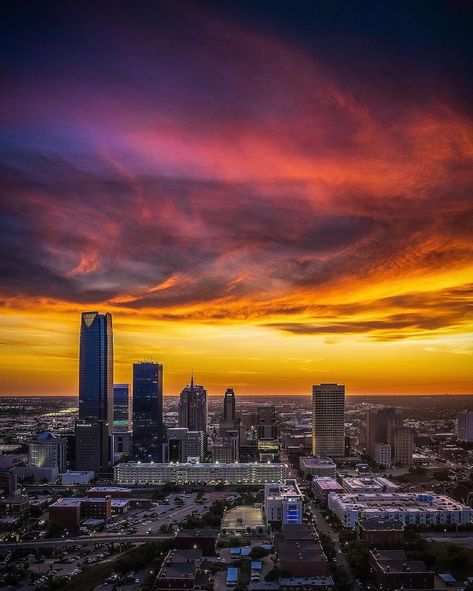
x=274 y=194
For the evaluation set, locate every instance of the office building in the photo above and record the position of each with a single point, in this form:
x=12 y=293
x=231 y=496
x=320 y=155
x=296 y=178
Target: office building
x=383 y=454
x=378 y=421
x=328 y=420
x=225 y=450
x=267 y=423
x=317 y=467
x=367 y=484
x=411 y=508
x=283 y=503
x=229 y=412
x=195 y=473
x=402 y=441
x=193 y=407
x=95 y=392
x=47 y=451
x=122 y=444
x=184 y=445
x=465 y=426
x=8 y=483
x=148 y=427
x=92 y=446
x=322 y=486
x=122 y=407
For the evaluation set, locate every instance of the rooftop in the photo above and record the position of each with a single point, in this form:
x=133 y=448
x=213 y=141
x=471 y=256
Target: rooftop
x=244 y=516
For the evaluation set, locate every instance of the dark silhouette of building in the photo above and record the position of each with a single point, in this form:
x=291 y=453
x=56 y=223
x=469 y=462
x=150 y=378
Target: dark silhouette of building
x=122 y=407
x=94 y=427
x=193 y=408
x=148 y=426
x=267 y=423
x=229 y=414
x=377 y=424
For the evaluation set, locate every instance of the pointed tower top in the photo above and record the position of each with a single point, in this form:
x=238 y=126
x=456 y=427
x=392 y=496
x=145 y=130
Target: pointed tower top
x=192 y=378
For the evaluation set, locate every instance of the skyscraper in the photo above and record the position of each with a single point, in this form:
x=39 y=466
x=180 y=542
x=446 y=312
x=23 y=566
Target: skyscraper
x=465 y=426
x=229 y=406
x=193 y=408
x=96 y=367
x=377 y=423
x=148 y=427
x=267 y=423
x=47 y=450
x=328 y=420
x=94 y=427
x=122 y=407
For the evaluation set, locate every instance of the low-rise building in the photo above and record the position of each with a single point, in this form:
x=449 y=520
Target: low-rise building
x=392 y=570
x=299 y=552
x=114 y=492
x=204 y=540
x=411 y=508
x=197 y=473
x=368 y=484
x=379 y=532
x=243 y=522
x=15 y=506
x=317 y=466
x=383 y=454
x=77 y=477
x=69 y=512
x=306 y=583
x=283 y=503
x=322 y=486
x=179 y=570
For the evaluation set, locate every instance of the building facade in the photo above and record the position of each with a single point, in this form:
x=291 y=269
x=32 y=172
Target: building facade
x=465 y=426
x=193 y=408
x=122 y=407
x=47 y=450
x=184 y=445
x=328 y=420
x=148 y=426
x=195 y=473
x=283 y=503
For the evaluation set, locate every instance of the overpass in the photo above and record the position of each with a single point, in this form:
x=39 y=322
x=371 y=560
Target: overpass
x=82 y=540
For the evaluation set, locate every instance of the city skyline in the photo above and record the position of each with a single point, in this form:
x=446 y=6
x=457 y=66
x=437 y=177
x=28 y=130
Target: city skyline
x=275 y=197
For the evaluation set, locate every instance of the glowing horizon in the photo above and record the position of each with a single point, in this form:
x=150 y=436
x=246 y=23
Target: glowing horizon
x=272 y=205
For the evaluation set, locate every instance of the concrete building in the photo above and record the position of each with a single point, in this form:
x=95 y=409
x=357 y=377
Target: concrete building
x=92 y=441
x=377 y=422
x=196 y=473
x=283 y=503
x=80 y=477
x=383 y=454
x=328 y=420
x=368 y=484
x=379 y=532
x=179 y=571
x=69 y=512
x=305 y=584
x=204 y=540
x=225 y=450
x=8 y=483
x=184 y=445
x=402 y=441
x=317 y=467
x=267 y=423
x=114 y=492
x=410 y=508
x=47 y=451
x=322 y=486
x=465 y=426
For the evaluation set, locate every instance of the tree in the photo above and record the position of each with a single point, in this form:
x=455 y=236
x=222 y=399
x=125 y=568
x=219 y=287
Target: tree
x=272 y=575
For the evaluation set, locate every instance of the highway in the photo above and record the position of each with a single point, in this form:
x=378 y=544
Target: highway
x=83 y=540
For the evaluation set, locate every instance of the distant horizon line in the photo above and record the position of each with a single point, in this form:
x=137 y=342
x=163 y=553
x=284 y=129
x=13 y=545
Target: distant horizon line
x=445 y=394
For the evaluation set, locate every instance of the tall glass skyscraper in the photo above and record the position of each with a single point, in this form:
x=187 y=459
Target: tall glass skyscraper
x=229 y=406
x=96 y=367
x=148 y=427
x=94 y=427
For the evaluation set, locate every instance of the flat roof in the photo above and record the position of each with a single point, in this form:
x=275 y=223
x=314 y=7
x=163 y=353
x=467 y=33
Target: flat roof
x=243 y=516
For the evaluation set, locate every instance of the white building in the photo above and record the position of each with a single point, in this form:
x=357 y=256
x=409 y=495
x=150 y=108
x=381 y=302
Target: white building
x=410 y=508
x=328 y=420
x=47 y=450
x=465 y=426
x=368 y=484
x=283 y=503
x=196 y=473
x=317 y=466
x=383 y=454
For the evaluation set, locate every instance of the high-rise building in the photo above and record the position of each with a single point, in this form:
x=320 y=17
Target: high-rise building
x=94 y=427
x=229 y=414
x=267 y=424
x=92 y=446
x=377 y=422
x=402 y=441
x=96 y=368
x=122 y=407
x=465 y=426
x=193 y=408
x=328 y=420
x=47 y=451
x=148 y=426
x=185 y=445
x=225 y=449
